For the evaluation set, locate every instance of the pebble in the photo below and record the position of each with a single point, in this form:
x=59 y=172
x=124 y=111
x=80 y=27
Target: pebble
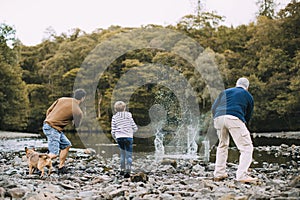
x=93 y=177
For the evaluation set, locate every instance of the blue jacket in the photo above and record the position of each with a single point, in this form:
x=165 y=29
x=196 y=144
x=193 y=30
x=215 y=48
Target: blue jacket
x=234 y=101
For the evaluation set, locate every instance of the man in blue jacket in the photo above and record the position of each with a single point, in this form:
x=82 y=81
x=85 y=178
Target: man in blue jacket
x=231 y=111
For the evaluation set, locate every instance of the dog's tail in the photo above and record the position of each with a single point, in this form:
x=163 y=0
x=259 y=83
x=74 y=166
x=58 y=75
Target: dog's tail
x=44 y=156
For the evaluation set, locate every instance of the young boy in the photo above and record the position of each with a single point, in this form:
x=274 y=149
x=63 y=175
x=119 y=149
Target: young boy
x=122 y=129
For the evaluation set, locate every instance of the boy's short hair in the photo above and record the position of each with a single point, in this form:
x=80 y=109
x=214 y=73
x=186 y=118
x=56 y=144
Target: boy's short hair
x=79 y=94
x=119 y=106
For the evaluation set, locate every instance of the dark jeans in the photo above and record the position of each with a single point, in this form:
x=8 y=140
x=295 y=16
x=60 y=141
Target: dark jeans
x=125 y=146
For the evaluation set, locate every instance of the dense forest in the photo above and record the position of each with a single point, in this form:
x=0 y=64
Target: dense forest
x=266 y=51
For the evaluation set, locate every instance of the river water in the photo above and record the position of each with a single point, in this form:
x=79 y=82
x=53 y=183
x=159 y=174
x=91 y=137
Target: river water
x=145 y=148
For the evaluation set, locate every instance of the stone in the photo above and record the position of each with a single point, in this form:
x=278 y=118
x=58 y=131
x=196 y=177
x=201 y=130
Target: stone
x=2 y=192
x=84 y=194
x=171 y=162
x=166 y=197
x=16 y=192
x=42 y=196
x=67 y=186
x=295 y=182
x=188 y=179
x=117 y=193
x=227 y=197
x=139 y=177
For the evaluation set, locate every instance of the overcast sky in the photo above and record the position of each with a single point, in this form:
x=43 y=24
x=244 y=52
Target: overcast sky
x=31 y=18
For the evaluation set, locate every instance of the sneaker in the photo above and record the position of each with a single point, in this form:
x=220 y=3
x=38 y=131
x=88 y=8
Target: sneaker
x=127 y=175
x=62 y=170
x=220 y=178
x=55 y=163
x=248 y=180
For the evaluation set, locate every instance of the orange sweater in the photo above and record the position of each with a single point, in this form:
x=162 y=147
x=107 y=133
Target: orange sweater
x=62 y=112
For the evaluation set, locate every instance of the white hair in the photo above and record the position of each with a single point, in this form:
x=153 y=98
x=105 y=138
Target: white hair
x=242 y=82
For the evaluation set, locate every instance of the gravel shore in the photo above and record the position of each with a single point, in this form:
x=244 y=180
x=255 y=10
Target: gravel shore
x=93 y=177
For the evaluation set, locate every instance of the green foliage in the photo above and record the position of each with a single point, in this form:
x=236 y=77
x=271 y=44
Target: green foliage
x=203 y=20
x=13 y=98
x=13 y=95
x=266 y=51
x=266 y=8
x=7 y=39
x=290 y=27
x=39 y=103
x=33 y=60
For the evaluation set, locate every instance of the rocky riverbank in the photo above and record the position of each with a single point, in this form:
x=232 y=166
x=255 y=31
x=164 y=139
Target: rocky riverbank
x=93 y=177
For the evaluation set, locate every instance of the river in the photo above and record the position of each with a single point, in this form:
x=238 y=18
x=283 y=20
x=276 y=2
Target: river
x=267 y=150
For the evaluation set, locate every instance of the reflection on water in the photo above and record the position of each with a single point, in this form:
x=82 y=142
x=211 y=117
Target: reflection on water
x=145 y=148
x=259 y=157
x=14 y=145
x=106 y=147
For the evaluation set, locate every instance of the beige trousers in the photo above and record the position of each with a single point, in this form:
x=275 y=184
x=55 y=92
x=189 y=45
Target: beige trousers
x=241 y=136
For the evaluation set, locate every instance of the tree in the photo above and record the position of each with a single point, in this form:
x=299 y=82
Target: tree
x=69 y=55
x=13 y=94
x=265 y=51
x=266 y=8
x=7 y=40
x=290 y=27
x=293 y=96
x=38 y=106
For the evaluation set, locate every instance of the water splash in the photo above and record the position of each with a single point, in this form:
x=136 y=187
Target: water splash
x=182 y=142
x=159 y=145
x=191 y=140
x=177 y=135
x=158 y=116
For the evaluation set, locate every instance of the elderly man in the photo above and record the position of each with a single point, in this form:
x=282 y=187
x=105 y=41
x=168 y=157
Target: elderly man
x=231 y=111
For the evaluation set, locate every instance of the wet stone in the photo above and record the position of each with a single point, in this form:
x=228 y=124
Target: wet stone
x=16 y=192
x=93 y=177
x=2 y=192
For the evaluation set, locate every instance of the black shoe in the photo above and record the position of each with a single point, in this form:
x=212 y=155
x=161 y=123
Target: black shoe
x=55 y=163
x=62 y=170
x=127 y=175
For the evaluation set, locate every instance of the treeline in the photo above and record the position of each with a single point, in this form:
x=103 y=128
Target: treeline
x=266 y=51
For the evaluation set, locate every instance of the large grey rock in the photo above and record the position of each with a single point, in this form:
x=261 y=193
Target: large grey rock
x=16 y=192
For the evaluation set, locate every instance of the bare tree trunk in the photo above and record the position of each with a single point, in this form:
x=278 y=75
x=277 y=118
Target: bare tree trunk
x=99 y=102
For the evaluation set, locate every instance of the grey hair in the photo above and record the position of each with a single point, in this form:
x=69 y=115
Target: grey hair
x=242 y=82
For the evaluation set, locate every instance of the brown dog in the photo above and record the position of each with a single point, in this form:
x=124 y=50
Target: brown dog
x=38 y=161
